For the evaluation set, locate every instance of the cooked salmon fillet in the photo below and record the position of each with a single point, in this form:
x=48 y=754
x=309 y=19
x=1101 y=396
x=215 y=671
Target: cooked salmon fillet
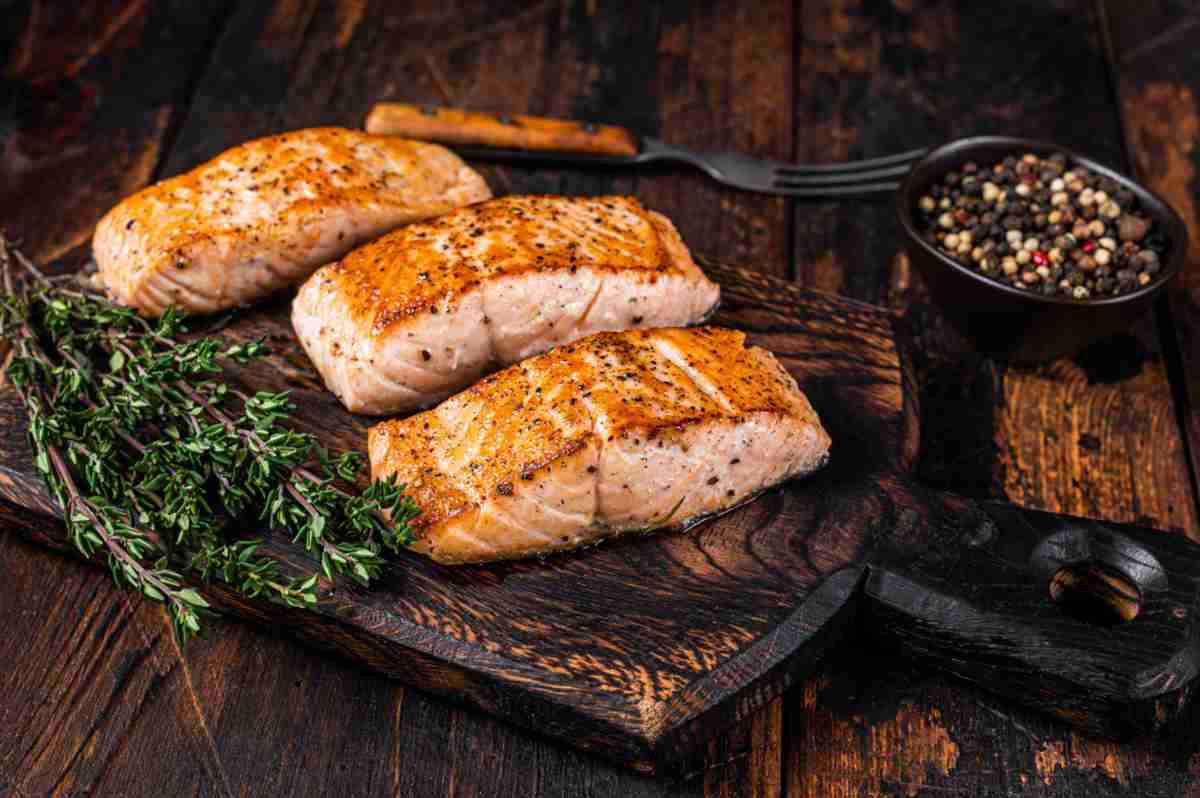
x=407 y=320
x=613 y=433
x=265 y=214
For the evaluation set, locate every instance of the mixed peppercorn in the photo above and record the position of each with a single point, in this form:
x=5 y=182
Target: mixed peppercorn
x=1044 y=225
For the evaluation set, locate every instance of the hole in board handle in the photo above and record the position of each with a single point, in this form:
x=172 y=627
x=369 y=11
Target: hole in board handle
x=1096 y=574
x=1093 y=592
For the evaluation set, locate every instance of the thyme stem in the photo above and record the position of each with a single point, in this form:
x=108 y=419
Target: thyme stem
x=134 y=435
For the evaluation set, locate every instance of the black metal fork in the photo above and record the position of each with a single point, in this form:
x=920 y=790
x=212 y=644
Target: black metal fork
x=506 y=138
x=737 y=169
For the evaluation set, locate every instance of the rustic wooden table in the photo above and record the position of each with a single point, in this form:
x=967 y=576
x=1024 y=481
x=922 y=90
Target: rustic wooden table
x=99 y=98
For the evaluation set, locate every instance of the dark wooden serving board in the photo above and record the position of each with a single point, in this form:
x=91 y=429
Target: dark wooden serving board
x=639 y=649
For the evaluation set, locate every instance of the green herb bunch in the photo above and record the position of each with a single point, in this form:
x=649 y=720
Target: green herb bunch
x=151 y=454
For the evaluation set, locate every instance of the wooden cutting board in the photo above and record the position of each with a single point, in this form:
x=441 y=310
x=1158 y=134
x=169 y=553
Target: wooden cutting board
x=641 y=648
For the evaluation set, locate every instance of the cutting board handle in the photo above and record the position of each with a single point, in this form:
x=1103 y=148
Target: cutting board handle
x=456 y=126
x=1091 y=621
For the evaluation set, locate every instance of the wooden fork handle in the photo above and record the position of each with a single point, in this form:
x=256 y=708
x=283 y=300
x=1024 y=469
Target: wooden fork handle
x=457 y=126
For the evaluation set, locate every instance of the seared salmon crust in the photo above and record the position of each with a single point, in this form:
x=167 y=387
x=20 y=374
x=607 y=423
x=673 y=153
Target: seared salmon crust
x=619 y=431
x=267 y=213
x=409 y=319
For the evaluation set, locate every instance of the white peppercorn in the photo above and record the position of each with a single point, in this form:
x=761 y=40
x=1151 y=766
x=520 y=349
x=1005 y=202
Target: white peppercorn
x=1031 y=223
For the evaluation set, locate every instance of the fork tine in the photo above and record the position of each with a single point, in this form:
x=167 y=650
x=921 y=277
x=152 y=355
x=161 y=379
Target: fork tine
x=906 y=157
x=839 y=178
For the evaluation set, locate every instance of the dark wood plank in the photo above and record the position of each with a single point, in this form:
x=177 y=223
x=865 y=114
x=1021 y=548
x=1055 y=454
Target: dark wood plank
x=336 y=45
x=722 y=82
x=1155 y=73
x=595 y=647
x=89 y=96
x=1154 y=70
x=99 y=684
x=889 y=760
x=1092 y=436
x=241 y=93
x=723 y=79
x=575 y=59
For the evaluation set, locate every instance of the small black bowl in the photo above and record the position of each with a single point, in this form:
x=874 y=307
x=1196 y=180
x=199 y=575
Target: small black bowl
x=1007 y=322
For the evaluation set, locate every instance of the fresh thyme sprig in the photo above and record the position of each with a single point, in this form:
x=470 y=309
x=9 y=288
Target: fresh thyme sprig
x=151 y=454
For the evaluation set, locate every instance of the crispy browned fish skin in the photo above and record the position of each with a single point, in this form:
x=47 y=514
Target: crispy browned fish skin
x=265 y=214
x=615 y=432
x=408 y=319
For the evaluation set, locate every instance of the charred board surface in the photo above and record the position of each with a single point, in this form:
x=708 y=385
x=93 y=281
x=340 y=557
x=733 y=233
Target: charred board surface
x=625 y=648
x=642 y=648
x=810 y=81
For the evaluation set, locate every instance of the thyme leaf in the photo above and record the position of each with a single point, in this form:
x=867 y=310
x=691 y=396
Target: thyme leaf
x=151 y=454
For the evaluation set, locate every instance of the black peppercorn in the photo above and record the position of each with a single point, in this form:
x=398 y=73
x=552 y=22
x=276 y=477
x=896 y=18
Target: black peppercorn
x=1027 y=225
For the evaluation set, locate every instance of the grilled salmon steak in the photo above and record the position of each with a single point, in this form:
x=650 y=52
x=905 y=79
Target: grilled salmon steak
x=265 y=214
x=617 y=432
x=409 y=319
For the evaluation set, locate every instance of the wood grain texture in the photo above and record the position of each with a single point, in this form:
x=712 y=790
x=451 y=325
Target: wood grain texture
x=968 y=570
x=722 y=79
x=91 y=96
x=105 y=673
x=1155 y=73
x=640 y=649
x=243 y=88
x=643 y=649
x=572 y=59
x=878 y=78
x=91 y=88
x=719 y=81
x=867 y=725
x=584 y=61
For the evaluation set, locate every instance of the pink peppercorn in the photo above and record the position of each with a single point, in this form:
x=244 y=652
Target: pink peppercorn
x=1039 y=258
